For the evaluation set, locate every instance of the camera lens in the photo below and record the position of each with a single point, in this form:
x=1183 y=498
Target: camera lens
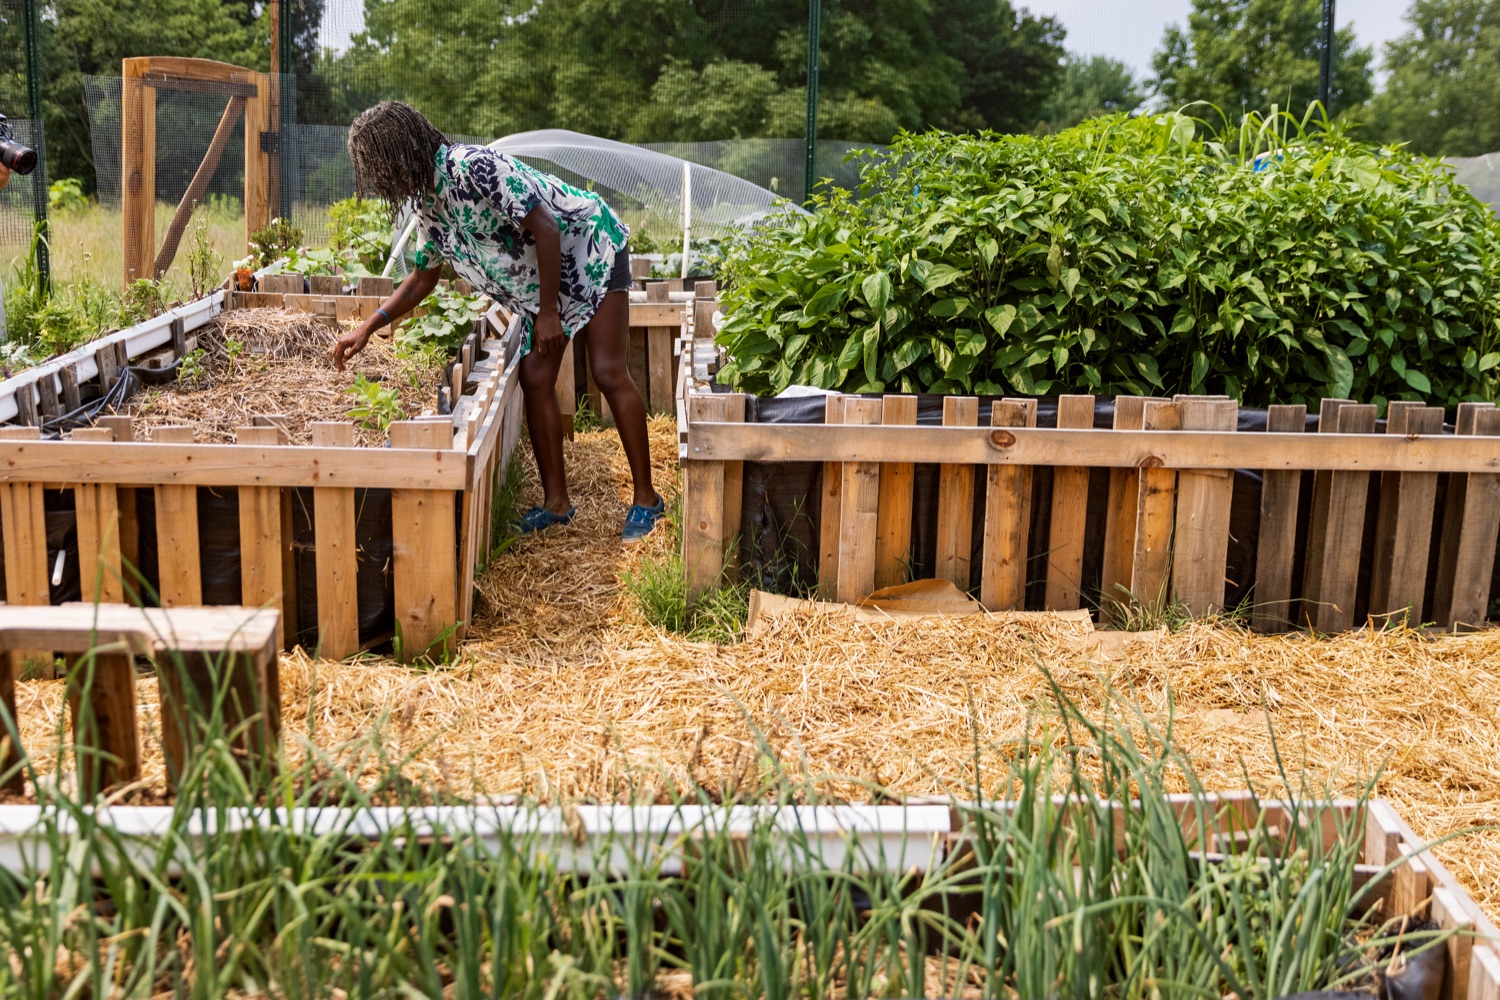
x=17 y=157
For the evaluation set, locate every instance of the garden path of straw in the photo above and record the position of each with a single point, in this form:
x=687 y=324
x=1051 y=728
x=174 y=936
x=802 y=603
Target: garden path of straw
x=565 y=692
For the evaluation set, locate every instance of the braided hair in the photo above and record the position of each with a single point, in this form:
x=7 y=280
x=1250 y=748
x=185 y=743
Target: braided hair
x=392 y=146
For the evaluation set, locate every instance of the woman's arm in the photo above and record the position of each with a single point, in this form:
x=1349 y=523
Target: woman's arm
x=547 y=332
x=4 y=176
x=417 y=286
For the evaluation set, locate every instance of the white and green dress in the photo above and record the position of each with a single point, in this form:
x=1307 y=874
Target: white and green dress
x=473 y=221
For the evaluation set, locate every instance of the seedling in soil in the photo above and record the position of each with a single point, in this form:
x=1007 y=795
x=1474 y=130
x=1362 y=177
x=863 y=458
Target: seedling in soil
x=378 y=407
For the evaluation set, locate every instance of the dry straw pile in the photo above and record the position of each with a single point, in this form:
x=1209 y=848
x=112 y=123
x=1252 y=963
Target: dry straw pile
x=567 y=693
x=264 y=362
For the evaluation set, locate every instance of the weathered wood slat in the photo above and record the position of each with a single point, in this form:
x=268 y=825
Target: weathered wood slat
x=955 y=517
x=735 y=405
x=177 y=548
x=1200 y=542
x=1403 y=538
x=1070 y=496
x=425 y=549
x=1471 y=519
x=1007 y=518
x=1337 y=533
x=262 y=575
x=1276 y=550
x=101 y=576
x=336 y=554
x=832 y=504
x=859 y=498
x=1119 y=516
x=102 y=703
x=1156 y=498
x=893 y=522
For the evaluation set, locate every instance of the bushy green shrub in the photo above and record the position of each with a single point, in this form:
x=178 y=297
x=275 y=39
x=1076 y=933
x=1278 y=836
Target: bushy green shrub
x=363 y=226
x=1276 y=263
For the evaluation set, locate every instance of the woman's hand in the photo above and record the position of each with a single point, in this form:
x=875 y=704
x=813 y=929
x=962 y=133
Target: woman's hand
x=352 y=343
x=417 y=286
x=547 y=333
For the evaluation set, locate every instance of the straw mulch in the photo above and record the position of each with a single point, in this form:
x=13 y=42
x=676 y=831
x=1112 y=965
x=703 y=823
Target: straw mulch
x=282 y=368
x=566 y=692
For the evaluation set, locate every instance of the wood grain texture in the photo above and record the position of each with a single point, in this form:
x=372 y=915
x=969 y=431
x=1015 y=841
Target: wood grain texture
x=100 y=570
x=177 y=544
x=1403 y=531
x=1200 y=541
x=336 y=554
x=735 y=405
x=1156 y=497
x=1330 y=594
x=1119 y=516
x=1471 y=519
x=703 y=508
x=1070 y=497
x=955 y=516
x=859 y=499
x=101 y=700
x=425 y=553
x=1276 y=549
x=832 y=505
x=893 y=521
x=1007 y=518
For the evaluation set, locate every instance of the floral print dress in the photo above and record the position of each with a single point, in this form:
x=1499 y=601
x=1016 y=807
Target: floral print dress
x=473 y=221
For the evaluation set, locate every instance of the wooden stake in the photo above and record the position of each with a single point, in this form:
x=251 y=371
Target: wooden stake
x=1151 y=561
x=1070 y=497
x=859 y=510
x=1471 y=518
x=893 y=522
x=955 y=518
x=1119 y=524
x=1403 y=534
x=1279 y=493
x=1201 y=542
x=1330 y=607
x=1007 y=518
x=829 y=531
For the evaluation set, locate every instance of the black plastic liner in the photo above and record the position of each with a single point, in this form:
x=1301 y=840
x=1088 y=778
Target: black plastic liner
x=782 y=513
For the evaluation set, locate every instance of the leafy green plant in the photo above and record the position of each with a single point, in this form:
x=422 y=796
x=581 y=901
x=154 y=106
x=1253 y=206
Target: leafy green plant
x=142 y=299
x=377 y=407
x=438 y=333
x=362 y=227
x=276 y=241
x=66 y=195
x=190 y=368
x=205 y=264
x=1283 y=261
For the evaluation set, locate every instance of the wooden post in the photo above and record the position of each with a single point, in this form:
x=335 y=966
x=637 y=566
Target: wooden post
x=177 y=549
x=859 y=506
x=106 y=745
x=1403 y=532
x=101 y=574
x=832 y=509
x=23 y=520
x=1119 y=515
x=567 y=390
x=955 y=515
x=257 y=161
x=1339 y=504
x=893 y=522
x=1471 y=517
x=659 y=356
x=1151 y=561
x=137 y=170
x=1007 y=518
x=1276 y=549
x=735 y=404
x=703 y=506
x=1201 y=540
x=264 y=550
x=425 y=546
x=1070 y=498
x=335 y=550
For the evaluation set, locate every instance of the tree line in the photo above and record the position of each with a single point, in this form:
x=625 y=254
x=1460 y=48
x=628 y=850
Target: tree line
x=688 y=70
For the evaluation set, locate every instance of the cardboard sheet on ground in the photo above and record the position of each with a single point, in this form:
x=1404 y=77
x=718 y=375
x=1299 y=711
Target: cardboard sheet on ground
x=941 y=599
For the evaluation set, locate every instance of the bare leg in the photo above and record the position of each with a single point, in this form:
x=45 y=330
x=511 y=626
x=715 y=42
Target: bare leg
x=608 y=336
x=544 y=425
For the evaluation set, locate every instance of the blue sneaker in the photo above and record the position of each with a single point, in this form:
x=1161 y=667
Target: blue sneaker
x=640 y=521
x=540 y=518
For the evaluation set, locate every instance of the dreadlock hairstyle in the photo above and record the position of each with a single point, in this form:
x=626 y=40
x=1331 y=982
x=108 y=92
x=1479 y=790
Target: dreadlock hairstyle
x=392 y=146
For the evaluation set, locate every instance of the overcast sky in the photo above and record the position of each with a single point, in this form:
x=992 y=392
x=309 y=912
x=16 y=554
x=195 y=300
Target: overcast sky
x=1131 y=30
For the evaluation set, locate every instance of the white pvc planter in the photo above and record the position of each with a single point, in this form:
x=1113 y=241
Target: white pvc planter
x=140 y=339
x=586 y=839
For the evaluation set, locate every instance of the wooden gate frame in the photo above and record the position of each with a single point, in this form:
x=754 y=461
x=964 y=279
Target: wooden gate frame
x=143 y=76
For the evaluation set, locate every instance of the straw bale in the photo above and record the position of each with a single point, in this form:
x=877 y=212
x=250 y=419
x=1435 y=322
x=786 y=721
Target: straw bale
x=283 y=368
x=565 y=692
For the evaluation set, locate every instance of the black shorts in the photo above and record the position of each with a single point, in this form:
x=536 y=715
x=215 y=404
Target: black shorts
x=619 y=275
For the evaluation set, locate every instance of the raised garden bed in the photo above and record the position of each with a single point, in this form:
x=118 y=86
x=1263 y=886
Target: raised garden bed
x=349 y=545
x=1190 y=502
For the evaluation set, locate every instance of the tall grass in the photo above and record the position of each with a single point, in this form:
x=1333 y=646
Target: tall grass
x=1053 y=890
x=659 y=585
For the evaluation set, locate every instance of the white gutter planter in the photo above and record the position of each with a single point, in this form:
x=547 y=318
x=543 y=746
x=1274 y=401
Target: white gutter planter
x=611 y=840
